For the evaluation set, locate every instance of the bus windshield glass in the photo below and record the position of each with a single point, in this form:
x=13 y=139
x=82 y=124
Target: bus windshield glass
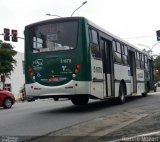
x=53 y=36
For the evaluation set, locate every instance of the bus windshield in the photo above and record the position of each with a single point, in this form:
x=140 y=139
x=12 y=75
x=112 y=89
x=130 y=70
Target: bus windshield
x=53 y=36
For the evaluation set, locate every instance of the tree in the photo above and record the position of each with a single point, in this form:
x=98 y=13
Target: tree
x=7 y=61
x=157 y=67
x=149 y=52
x=156 y=62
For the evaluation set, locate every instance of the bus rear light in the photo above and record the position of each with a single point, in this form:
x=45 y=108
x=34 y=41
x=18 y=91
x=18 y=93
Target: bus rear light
x=30 y=71
x=76 y=71
x=78 y=66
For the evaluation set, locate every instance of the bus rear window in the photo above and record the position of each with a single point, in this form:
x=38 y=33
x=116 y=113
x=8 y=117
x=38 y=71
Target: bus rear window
x=53 y=36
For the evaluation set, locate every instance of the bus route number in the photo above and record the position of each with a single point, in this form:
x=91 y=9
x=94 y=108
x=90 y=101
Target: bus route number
x=65 y=61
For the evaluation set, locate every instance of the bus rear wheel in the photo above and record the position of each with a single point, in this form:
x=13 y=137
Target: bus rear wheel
x=80 y=100
x=144 y=94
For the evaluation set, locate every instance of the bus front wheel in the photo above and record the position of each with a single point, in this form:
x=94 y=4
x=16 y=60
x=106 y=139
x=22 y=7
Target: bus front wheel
x=80 y=100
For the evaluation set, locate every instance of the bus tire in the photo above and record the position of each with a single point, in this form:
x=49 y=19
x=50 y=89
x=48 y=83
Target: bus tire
x=56 y=99
x=122 y=93
x=80 y=100
x=144 y=94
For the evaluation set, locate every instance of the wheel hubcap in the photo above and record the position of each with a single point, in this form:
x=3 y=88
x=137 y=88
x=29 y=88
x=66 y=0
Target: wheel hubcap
x=8 y=103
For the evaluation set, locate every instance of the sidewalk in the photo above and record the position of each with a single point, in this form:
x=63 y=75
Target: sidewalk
x=112 y=128
x=96 y=129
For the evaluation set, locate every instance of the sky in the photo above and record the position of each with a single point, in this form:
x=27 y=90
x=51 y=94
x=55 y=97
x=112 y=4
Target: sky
x=135 y=21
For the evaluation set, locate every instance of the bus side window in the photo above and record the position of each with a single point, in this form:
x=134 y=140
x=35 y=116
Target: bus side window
x=142 y=61
x=146 y=63
x=125 y=54
x=94 y=36
x=137 y=59
x=114 y=46
x=117 y=52
x=94 y=44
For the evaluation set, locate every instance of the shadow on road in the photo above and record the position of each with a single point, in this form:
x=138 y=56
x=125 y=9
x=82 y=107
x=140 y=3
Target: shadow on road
x=93 y=106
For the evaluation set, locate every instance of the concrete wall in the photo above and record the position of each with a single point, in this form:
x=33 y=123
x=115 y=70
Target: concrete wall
x=17 y=76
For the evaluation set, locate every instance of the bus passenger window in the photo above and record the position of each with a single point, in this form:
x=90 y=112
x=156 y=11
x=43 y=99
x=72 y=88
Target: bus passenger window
x=126 y=50
x=94 y=44
x=95 y=50
x=146 y=63
x=117 y=57
x=124 y=54
x=137 y=60
x=142 y=61
x=125 y=59
x=118 y=47
x=94 y=36
x=114 y=46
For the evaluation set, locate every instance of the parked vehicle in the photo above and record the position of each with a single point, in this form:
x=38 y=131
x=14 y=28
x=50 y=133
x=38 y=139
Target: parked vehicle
x=156 y=86
x=7 y=99
x=30 y=99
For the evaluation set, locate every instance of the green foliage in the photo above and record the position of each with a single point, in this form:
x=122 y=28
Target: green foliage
x=157 y=63
x=157 y=67
x=6 y=58
x=157 y=78
x=149 y=52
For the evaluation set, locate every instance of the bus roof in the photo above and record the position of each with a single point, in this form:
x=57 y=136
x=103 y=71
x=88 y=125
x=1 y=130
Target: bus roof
x=92 y=24
x=55 y=19
x=115 y=37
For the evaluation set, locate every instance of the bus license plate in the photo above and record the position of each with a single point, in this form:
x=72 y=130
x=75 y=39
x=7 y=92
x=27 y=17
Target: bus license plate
x=53 y=79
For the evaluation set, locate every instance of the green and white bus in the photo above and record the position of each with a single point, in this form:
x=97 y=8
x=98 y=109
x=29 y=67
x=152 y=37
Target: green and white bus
x=76 y=59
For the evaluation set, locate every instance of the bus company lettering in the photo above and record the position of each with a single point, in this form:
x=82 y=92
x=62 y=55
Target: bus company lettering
x=65 y=70
x=97 y=69
x=65 y=61
x=140 y=75
x=37 y=64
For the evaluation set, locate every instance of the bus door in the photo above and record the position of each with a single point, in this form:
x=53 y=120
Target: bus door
x=132 y=63
x=96 y=72
x=105 y=46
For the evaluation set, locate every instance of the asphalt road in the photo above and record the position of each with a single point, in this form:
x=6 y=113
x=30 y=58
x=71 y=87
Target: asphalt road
x=46 y=116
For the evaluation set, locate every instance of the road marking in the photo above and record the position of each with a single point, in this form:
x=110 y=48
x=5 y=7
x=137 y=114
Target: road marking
x=150 y=134
x=102 y=125
x=136 y=137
